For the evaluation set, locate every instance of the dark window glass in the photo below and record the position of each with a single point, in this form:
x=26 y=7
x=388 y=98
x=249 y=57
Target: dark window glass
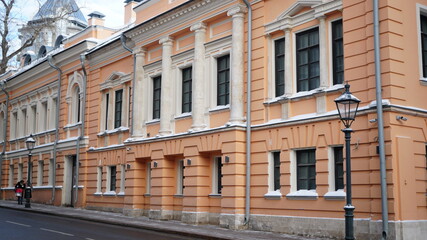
x=79 y=104
x=279 y=63
x=107 y=100
x=223 y=80
x=181 y=169
x=219 y=174
x=339 y=168
x=186 y=89
x=338 y=52
x=306 y=169
x=118 y=108
x=113 y=173
x=157 y=87
x=308 y=73
x=276 y=162
x=424 y=43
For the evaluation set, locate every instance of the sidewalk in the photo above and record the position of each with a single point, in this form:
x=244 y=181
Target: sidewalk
x=174 y=227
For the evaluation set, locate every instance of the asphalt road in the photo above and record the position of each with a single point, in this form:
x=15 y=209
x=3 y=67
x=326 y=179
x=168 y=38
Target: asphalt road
x=20 y=225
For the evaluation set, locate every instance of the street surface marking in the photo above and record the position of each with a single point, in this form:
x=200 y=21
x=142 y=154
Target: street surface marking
x=50 y=230
x=20 y=224
x=90 y=239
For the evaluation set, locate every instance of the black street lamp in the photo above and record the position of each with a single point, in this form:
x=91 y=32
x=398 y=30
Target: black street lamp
x=347 y=105
x=30 y=142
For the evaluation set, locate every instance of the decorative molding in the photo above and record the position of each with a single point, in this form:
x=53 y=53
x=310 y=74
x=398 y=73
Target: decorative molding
x=288 y=20
x=114 y=80
x=178 y=19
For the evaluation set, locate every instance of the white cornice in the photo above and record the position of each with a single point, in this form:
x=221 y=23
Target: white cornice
x=181 y=16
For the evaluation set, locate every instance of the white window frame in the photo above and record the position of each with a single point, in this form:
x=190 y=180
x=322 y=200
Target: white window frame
x=271 y=88
x=11 y=175
x=51 y=170
x=330 y=51
x=43 y=116
x=180 y=177
x=152 y=70
x=333 y=194
x=213 y=51
x=40 y=173
x=20 y=171
x=108 y=185
x=34 y=119
x=74 y=97
x=420 y=10
x=14 y=125
x=272 y=193
x=148 y=179
x=215 y=161
x=98 y=180
x=180 y=62
x=294 y=193
x=122 y=179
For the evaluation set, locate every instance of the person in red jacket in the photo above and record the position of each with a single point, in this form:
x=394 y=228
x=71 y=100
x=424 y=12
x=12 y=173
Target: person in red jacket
x=19 y=191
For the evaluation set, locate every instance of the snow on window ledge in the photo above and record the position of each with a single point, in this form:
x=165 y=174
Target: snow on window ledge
x=273 y=195
x=303 y=195
x=335 y=195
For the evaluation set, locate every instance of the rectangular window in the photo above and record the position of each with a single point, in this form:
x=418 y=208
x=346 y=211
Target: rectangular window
x=180 y=178
x=306 y=169
x=107 y=101
x=118 y=108
x=40 y=171
x=223 y=80
x=339 y=168
x=148 y=179
x=34 y=119
x=157 y=87
x=99 y=180
x=11 y=175
x=53 y=113
x=113 y=178
x=217 y=176
x=20 y=171
x=187 y=80
x=122 y=178
x=279 y=66
x=45 y=116
x=15 y=125
x=423 y=22
x=276 y=170
x=51 y=166
x=24 y=122
x=308 y=72
x=337 y=52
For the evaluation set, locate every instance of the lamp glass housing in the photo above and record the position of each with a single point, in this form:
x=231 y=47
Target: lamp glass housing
x=30 y=142
x=347 y=105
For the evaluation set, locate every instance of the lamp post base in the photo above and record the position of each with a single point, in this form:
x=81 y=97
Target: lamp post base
x=349 y=232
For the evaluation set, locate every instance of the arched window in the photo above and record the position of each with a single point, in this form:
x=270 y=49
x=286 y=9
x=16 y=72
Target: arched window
x=74 y=98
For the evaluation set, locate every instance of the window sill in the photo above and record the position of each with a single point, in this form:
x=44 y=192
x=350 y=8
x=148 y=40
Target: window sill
x=183 y=115
x=98 y=194
x=110 y=193
x=220 y=108
x=147 y=195
x=72 y=126
x=335 y=195
x=122 y=194
x=273 y=195
x=215 y=195
x=423 y=81
x=303 y=195
x=113 y=131
x=178 y=196
x=153 y=121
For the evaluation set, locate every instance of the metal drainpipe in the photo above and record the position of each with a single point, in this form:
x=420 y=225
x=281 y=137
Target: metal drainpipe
x=55 y=144
x=2 y=85
x=82 y=130
x=380 y=122
x=123 y=40
x=248 y=117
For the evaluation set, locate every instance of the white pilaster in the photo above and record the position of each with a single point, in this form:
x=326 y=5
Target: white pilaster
x=139 y=113
x=237 y=65
x=288 y=63
x=198 y=90
x=166 y=91
x=323 y=65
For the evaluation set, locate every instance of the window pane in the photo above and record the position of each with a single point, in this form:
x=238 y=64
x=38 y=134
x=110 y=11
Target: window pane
x=306 y=169
x=118 y=109
x=280 y=67
x=307 y=60
x=338 y=52
x=186 y=89
x=223 y=80
x=156 y=96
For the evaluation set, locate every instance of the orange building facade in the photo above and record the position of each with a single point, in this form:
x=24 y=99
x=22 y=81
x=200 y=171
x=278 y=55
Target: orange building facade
x=155 y=119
